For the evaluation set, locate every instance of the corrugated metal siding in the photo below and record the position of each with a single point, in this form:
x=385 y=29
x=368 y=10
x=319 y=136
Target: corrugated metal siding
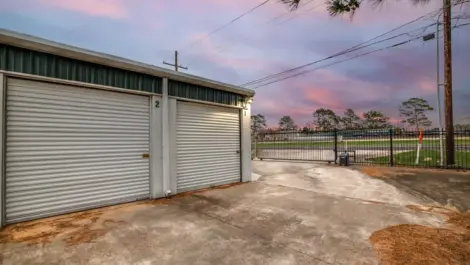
x=72 y=148
x=37 y=63
x=185 y=90
x=208 y=145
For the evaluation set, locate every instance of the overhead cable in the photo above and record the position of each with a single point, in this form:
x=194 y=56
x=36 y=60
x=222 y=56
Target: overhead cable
x=227 y=24
x=354 y=57
x=353 y=48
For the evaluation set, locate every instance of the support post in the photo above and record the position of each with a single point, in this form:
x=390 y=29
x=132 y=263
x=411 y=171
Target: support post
x=166 y=140
x=176 y=65
x=448 y=106
x=336 y=145
x=3 y=82
x=256 y=146
x=441 y=145
x=245 y=145
x=156 y=174
x=391 y=147
x=176 y=61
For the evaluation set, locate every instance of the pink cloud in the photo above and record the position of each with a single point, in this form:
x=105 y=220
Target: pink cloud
x=299 y=98
x=105 y=8
x=427 y=85
x=322 y=96
x=274 y=108
x=207 y=50
x=245 y=4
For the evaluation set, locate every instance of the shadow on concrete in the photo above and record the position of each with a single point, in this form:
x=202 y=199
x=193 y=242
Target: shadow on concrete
x=448 y=188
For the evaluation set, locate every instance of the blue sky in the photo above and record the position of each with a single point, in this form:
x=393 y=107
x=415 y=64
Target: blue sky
x=251 y=48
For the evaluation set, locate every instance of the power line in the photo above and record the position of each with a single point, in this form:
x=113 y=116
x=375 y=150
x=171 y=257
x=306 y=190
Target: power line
x=357 y=56
x=353 y=48
x=288 y=12
x=220 y=48
x=230 y=22
x=357 y=47
x=303 y=13
x=457 y=21
x=354 y=57
x=337 y=62
x=433 y=13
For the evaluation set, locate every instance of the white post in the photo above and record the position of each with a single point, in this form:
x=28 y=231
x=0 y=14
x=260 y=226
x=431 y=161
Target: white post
x=156 y=174
x=166 y=140
x=245 y=127
x=417 y=154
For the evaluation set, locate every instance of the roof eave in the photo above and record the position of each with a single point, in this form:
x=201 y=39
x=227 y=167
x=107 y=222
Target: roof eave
x=42 y=45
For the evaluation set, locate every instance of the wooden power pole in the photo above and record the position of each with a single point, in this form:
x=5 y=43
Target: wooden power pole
x=448 y=108
x=176 y=65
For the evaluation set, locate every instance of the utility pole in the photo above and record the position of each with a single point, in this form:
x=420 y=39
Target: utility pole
x=438 y=76
x=176 y=65
x=448 y=108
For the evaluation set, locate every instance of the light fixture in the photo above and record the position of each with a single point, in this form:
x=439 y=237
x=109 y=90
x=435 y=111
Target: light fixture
x=245 y=101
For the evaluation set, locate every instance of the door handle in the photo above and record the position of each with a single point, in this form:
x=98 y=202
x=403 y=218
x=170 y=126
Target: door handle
x=238 y=151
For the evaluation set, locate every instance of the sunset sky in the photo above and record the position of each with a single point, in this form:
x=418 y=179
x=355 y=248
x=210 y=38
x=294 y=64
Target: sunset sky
x=251 y=48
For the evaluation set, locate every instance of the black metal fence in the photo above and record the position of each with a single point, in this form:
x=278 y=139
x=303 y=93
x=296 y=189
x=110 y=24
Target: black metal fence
x=393 y=147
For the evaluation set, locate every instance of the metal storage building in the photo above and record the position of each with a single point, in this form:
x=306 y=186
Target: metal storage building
x=83 y=129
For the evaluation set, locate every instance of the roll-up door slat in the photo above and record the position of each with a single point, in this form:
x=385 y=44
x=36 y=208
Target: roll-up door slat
x=71 y=148
x=207 y=146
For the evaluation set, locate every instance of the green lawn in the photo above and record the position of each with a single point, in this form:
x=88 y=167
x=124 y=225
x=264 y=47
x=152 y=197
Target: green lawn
x=428 y=158
x=357 y=143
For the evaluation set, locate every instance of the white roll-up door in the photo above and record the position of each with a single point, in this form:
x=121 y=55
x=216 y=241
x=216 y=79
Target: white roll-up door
x=208 y=146
x=71 y=148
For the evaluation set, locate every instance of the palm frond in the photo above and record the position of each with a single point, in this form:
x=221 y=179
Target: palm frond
x=378 y=3
x=293 y=4
x=340 y=7
x=336 y=7
x=418 y=2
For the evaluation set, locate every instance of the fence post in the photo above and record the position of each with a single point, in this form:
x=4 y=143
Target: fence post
x=256 y=146
x=391 y=147
x=336 y=145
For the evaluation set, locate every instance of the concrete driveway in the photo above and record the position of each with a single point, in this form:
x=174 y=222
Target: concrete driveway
x=296 y=213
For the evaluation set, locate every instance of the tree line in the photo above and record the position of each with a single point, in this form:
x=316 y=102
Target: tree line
x=412 y=111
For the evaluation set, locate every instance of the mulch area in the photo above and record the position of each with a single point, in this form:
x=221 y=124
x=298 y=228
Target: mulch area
x=413 y=244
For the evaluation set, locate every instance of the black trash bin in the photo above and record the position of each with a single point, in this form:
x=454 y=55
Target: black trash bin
x=344 y=159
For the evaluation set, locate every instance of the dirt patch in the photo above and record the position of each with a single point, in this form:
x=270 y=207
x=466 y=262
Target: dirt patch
x=460 y=220
x=445 y=211
x=75 y=228
x=418 y=244
x=378 y=172
x=222 y=187
x=381 y=171
x=82 y=227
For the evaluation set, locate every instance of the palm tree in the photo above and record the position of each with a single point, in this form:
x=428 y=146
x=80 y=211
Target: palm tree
x=338 y=7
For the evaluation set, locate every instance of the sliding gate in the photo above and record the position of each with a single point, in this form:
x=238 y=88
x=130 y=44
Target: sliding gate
x=296 y=146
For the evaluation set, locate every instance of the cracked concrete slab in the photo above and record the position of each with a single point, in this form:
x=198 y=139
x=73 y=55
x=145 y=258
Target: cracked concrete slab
x=297 y=213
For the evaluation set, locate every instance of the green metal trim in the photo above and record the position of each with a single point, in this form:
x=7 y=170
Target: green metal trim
x=43 y=64
x=190 y=91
